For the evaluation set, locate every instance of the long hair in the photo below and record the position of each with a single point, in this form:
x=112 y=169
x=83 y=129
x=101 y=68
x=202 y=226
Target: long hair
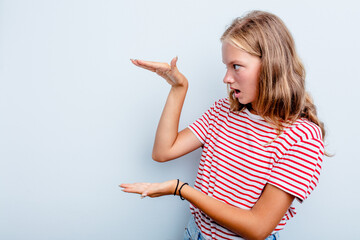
x=282 y=96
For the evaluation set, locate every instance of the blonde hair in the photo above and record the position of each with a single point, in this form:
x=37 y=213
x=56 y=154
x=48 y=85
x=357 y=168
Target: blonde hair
x=282 y=97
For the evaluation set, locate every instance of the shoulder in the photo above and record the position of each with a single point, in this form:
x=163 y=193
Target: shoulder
x=303 y=136
x=303 y=130
x=222 y=103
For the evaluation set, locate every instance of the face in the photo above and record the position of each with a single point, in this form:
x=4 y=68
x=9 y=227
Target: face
x=242 y=74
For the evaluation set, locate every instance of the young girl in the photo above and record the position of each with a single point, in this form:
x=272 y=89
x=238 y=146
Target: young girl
x=262 y=146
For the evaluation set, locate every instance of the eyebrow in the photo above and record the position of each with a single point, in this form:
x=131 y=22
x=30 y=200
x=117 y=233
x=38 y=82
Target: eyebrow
x=235 y=62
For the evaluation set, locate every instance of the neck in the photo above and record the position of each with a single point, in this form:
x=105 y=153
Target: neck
x=251 y=108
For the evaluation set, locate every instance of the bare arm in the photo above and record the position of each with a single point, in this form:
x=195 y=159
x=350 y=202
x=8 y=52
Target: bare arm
x=169 y=143
x=256 y=223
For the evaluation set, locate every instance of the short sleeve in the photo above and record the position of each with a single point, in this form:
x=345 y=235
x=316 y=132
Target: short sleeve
x=297 y=172
x=201 y=126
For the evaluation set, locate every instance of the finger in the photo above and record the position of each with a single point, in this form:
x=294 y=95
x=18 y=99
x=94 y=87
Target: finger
x=124 y=185
x=149 y=64
x=129 y=185
x=132 y=187
x=147 y=68
x=136 y=63
x=129 y=190
x=144 y=194
x=139 y=62
x=173 y=63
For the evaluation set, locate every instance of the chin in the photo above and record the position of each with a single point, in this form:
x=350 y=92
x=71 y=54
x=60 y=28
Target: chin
x=243 y=102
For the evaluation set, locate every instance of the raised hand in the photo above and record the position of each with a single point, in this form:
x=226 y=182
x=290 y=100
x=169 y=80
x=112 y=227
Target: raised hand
x=150 y=189
x=169 y=72
x=169 y=142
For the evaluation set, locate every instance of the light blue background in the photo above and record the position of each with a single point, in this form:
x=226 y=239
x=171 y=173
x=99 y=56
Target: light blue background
x=77 y=118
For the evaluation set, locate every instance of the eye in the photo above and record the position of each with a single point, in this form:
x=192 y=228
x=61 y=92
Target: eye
x=236 y=66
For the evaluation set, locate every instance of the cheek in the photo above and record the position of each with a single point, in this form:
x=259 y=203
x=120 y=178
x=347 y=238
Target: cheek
x=252 y=86
x=255 y=79
x=248 y=80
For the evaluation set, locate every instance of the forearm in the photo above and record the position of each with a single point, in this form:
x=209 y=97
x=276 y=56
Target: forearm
x=168 y=127
x=255 y=223
x=241 y=221
x=169 y=143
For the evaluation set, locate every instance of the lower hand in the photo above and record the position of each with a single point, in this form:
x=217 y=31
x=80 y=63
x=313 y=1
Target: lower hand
x=150 y=189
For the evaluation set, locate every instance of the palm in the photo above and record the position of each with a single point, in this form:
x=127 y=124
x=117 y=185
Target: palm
x=169 y=72
x=149 y=189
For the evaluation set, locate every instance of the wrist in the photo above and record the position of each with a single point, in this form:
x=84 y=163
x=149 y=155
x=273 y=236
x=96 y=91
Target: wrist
x=182 y=89
x=179 y=186
x=181 y=84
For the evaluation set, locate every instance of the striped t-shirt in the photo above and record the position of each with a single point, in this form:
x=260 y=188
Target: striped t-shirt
x=240 y=156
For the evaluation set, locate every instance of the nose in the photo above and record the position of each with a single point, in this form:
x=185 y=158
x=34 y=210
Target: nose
x=228 y=78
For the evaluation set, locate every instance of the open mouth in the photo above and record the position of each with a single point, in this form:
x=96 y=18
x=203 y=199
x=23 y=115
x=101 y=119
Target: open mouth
x=236 y=93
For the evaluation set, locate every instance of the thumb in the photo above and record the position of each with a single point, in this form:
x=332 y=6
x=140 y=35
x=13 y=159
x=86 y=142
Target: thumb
x=173 y=63
x=144 y=194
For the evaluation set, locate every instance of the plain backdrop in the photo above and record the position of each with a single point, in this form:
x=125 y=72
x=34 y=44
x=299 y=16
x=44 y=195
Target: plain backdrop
x=77 y=118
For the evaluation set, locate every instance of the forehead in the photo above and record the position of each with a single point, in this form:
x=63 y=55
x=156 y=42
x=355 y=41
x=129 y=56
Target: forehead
x=232 y=53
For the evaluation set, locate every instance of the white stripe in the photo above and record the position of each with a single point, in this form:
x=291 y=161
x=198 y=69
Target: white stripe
x=236 y=168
